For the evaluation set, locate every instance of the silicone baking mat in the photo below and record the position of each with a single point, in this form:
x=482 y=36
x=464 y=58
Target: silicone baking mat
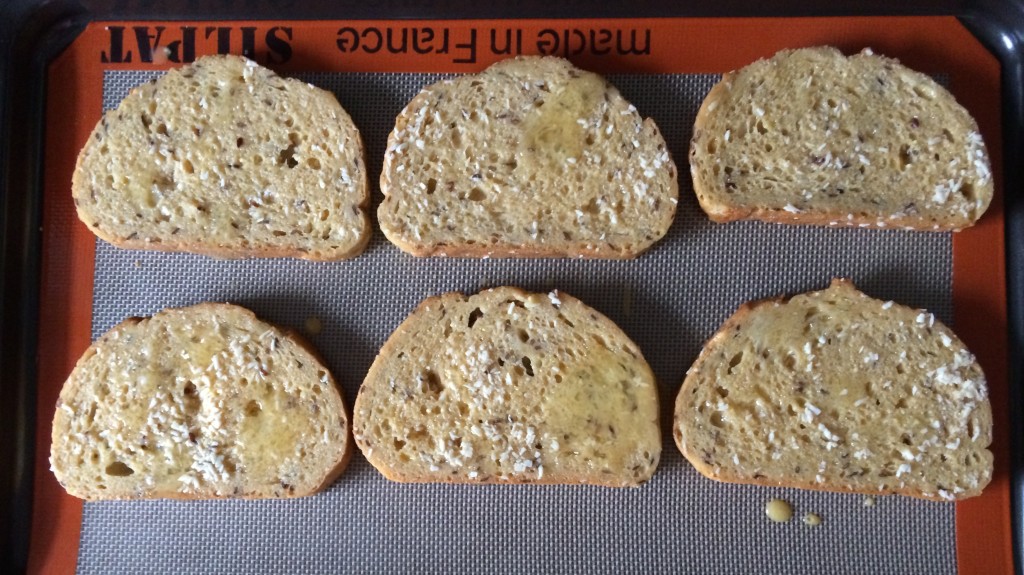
x=669 y=301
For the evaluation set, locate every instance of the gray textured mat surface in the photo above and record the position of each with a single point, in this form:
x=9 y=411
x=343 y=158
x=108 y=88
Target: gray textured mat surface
x=668 y=301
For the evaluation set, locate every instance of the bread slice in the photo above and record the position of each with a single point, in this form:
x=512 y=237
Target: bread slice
x=530 y=158
x=225 y=158
x=837 y=391
x=199 y=402
x=509 y=387
x=813 y=137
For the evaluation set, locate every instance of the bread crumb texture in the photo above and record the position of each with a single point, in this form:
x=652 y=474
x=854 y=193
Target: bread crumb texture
x=226 y=158
x=509 y=387
x=837 y=391
x=810 y=136
x=198 y=402
x=531 y=157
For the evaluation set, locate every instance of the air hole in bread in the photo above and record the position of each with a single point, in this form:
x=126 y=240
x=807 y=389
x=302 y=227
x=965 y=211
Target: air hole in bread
x=190 y=389
x=399 y=444
x=523 y=335
x=869 y=390
x=119 y=469
x=967 y=189
x=146 y=120
x=161 y=129
x=431 y=382
x=735 y=360
x=431 y=185
x=287 y=157
x=906 y=156
x=528 y=366
x=789 y=362
x=313 y=163
x=474 y=315
x=253 y=408
x=476 y=195
x=810 y=314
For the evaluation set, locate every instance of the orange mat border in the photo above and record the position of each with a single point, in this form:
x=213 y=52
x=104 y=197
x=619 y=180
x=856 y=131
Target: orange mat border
x=929 y=44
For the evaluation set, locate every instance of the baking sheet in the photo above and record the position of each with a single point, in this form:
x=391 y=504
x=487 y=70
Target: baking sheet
x=668 y=301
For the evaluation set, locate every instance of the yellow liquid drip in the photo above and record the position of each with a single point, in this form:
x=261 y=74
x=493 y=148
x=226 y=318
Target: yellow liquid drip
x=554 y=131
x=598 y=403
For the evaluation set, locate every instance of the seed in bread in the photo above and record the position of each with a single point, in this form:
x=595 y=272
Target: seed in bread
x=838 y=391
x=813 y=137
x=225 y=158
x=199 y=402
x=530 y=158
x=509 y=387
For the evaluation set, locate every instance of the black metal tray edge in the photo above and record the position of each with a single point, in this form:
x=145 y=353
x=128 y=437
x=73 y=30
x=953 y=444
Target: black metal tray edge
x=33 y=32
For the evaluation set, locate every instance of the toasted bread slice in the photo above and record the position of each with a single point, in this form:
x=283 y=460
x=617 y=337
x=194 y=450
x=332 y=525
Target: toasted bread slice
x=225 y=158
x=509 y=387
x=530 y=158
x=837 y=391
x=813 y=137
x=199 y=402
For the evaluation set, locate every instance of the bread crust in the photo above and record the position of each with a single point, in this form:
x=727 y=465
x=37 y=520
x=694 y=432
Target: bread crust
x=394 y=345
x=209 y=246
x=721 y=211
x=71 y=389
x=727 y=474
